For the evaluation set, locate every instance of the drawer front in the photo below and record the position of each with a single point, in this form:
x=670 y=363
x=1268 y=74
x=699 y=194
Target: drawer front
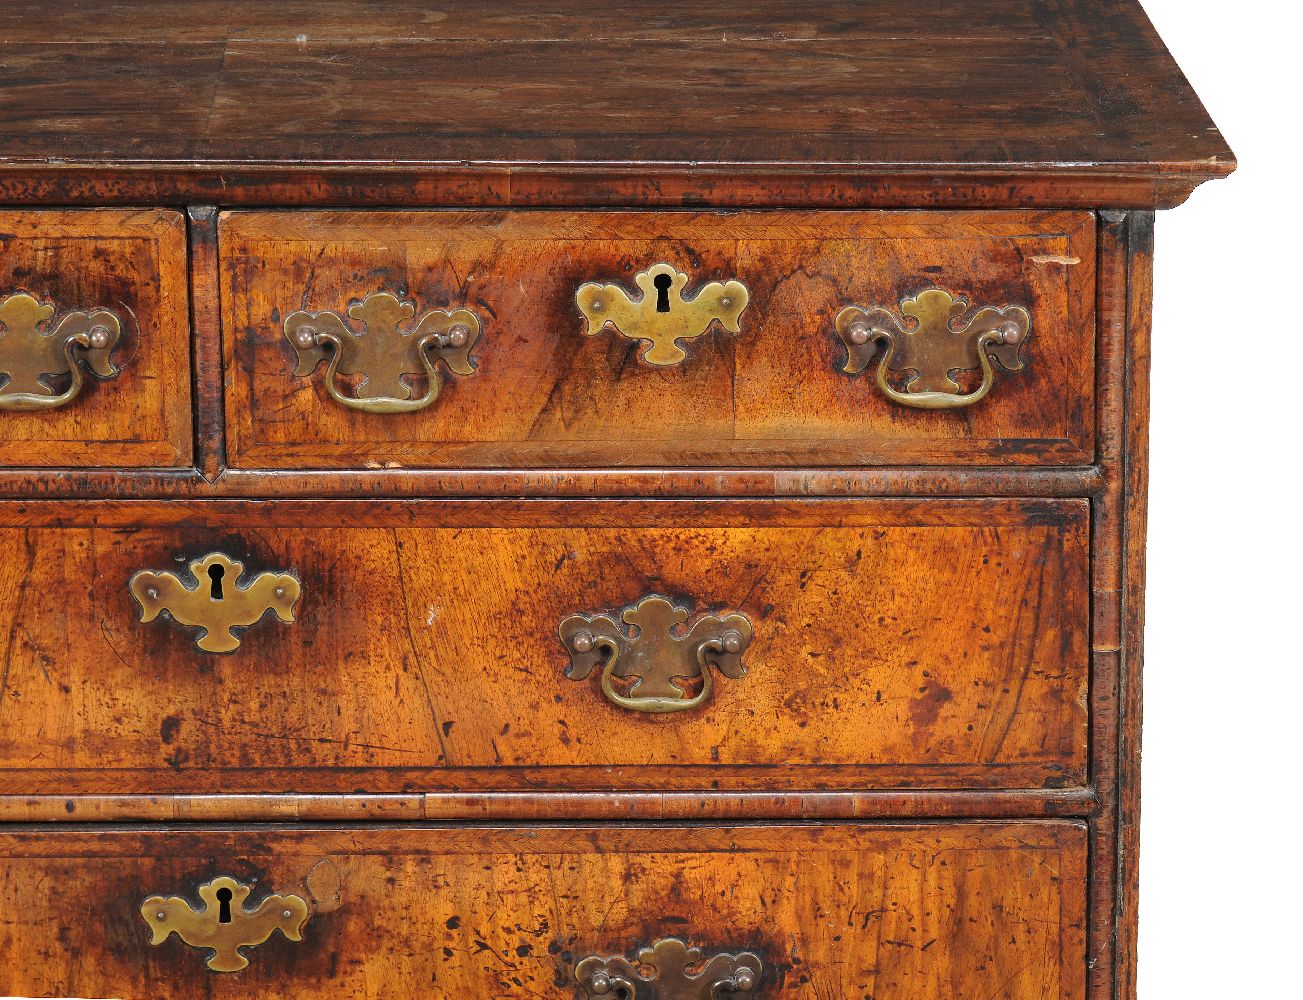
x=94 y=339
x=893 y=912
x=814 y=644
x=526 y=339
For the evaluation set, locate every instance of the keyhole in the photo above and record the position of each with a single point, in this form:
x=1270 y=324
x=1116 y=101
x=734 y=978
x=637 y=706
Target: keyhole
x=662 y=283
x=215 y=574
x=223 y=905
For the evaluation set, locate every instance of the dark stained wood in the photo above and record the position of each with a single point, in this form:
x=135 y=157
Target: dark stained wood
x=1135 y=479
x=927 y=644
x=546 y=394
x=523 y=21
x=647 y=186
x=206 y=340
x=1108 y=514
x=511 y=96
x=895 y=912
x=132 y=262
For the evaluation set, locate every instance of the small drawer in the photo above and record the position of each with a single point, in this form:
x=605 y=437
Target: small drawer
x=94 y=339
x=896 y=912
x=469 y=647
x=599 y=339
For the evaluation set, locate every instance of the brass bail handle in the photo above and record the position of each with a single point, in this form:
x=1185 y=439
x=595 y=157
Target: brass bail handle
x=670 y=970
x=938 y=343
x=33 y=349
x=651 y=659
x=386 y=348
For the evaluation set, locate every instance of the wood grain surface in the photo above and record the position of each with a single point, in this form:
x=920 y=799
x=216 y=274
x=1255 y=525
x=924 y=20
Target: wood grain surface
x=934 y=644
x=186 y=486
x=546 y=394
x=974 y=911
x=134 y=263
x=505 y=95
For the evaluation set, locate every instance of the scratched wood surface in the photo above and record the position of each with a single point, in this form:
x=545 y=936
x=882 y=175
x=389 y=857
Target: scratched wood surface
x=132 y=262
x=547 y=395
x=1140 y=295
x=978 y=911
x=936 y=644
x=1011 y=92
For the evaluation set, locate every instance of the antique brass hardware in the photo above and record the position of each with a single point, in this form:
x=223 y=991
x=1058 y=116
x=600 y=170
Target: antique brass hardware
x=223 y=925
x=382 y=354
x=217 y=603
x=934 y=347
x=661 y=316
x=79 y=342
x=655 y=655
x=674 y=972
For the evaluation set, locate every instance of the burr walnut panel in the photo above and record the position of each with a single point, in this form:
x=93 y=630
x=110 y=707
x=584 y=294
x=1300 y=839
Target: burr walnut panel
x=123 y=268
x=895 y=912
x=936 y=644
x=545 y=394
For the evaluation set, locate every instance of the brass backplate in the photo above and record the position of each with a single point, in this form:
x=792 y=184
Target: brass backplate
x=32 y=354
x=936 y=345
x=656 y=652
x=215 y=600
x=222 y=924
x=661 y=316
x=670 y=970
x=383 y=353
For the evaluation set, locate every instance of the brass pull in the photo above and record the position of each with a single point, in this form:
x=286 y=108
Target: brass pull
x=655 y=655
x=217 y=602
x=676 y=972
x=29 y=354
x=661 y=316
x=935 y=347
x=383 y=353
x=222 y=924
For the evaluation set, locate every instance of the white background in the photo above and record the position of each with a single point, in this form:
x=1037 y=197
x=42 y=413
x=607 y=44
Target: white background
x=1222 y=831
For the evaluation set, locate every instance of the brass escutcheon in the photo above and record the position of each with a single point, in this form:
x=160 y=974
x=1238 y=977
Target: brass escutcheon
x=661 y=316
x=656 y=653
x=934 y=347
x=216 y=603
x=676 y=972
x=30 y=354
x=383 y=353
x=222 y=924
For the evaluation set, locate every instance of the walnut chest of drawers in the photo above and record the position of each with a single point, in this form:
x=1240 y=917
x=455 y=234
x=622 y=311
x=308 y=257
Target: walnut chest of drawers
x=564 y=500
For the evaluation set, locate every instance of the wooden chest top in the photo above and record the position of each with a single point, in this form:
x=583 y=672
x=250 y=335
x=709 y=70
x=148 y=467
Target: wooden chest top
x=993 y=102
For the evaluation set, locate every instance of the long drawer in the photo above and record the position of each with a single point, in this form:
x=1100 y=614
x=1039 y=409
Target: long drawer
x=599 y=339
x=352 y=646
x=897 y=912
